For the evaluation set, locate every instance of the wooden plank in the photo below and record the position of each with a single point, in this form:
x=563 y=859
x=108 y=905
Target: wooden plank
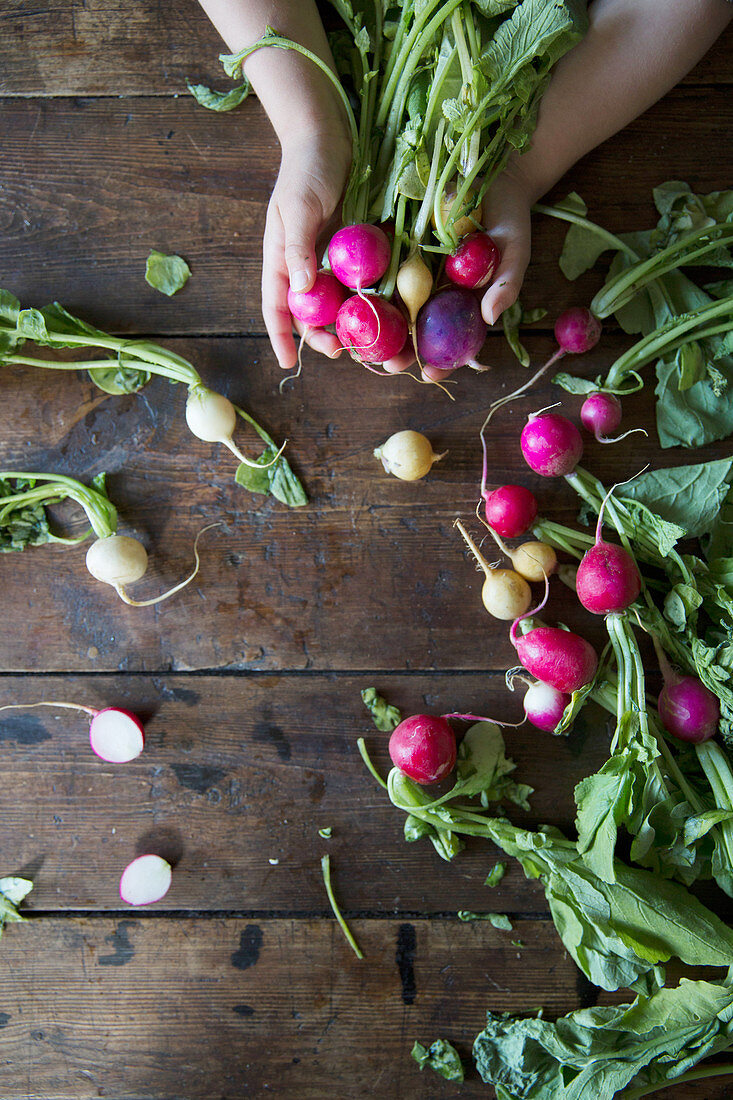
x=371 y=574
x=147 y=173
x=98 y=47
x=145 y=1009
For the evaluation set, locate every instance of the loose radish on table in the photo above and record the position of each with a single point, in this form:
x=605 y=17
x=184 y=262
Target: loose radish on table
x=318 y=306
x=408 y=455
x=115 y=735
x=474 y=262
x=687 y=709
x=146 y=880
x=371 y=328
x=423 y=747
x=213 y=418
x=533 y=560
x=119 y=560
x=510 y=510
x=505 y=594
x=359 y=255
x=551 y=444
x=557 y=657
x=601 y=414
x=450 y=330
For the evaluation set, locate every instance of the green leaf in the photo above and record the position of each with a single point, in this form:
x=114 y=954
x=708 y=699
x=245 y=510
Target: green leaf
x=696 y=416
x=15 y=889
x=440 y=1056
x=498 y=920
x=220 y=101
x=116 y=379
x=32 y=326
x=571 y=384
x=679 y=603
x=168 y=274
x=325 y=833
x=385 y=717
x=495 y=875
x=700 y=825
x=481 y=761
x=688 y=496
x=277 y=479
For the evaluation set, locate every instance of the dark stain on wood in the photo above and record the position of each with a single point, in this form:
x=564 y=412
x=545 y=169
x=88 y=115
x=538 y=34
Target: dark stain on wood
x=4 y=1019
x=119 y=941
x=405 y=959
x=250 y=942
x=198 y=777
x=24 y=730
x=266 y=731
x=243 y=1010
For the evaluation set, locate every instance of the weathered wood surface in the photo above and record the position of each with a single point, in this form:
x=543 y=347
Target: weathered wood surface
x=148 y=1009
x=89 y=186
x=370 y=575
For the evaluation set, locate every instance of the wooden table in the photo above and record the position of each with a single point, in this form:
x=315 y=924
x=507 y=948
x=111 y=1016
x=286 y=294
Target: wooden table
x=239 y=983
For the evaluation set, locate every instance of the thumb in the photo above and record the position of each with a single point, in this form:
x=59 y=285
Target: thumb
x=301 y=224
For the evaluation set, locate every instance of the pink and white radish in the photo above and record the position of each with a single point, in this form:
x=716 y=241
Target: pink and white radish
x=608 y=579
x=505 y=594
x=473 y=262
x=318 y=306
x=119 y=560
x=551 y=444
x=557 y=657
x=370 y=328
x=359 y=255
x=116 y=735
x=510 y=510
x=423 y=747
x=408 y=455
x=601 y=414
x=146 y=880
x=687 y=709
x=450 y=330
x=544 y=705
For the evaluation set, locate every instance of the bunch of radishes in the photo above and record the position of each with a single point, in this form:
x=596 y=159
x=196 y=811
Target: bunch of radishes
x=446 y=327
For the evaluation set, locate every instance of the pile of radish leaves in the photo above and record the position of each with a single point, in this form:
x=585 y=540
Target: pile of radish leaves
x=685 y=322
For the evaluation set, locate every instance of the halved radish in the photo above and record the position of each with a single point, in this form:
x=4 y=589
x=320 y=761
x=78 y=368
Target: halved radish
x=116 y=735
x=146 y=880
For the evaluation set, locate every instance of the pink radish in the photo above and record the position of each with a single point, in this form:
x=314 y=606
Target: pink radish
x=577 y=330
x=359 y=255
x=474 y=261
x=557 y=657
x=551 y=444
x=423 y=748
x=450 y=330
x=318 y=306
x=544 y=705
x=688 y=710
x=510 y=510
x=600 y=413
x=146 y=880
x=371 y=328
x=607 y=579
x=115 y=735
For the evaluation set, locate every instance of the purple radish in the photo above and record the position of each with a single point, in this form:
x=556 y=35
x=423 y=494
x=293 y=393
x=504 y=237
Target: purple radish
x=115 y=735
x=371 y=329
x=577 y=330
x=359 y=255
x=557 y=657
x=551 y=444
x=600 y=413
x=544 y=705
x=474 y=261
x=423 y=747
x=146 y=880
x=607 y=579
x=450 y=330
x=318 y=306
x=688 y=710
x=510 y=510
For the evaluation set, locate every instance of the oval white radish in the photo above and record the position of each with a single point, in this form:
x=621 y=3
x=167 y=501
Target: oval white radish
x=146 y=880
x=533 y=560
x=505 y=594
x=213 y=418
x=116 y=735
x=117 y=560
x=414 y=284
x=408 y=455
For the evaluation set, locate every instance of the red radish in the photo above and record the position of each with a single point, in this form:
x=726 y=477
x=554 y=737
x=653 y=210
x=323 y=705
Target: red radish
x=688 y=710
x=371 y=328
x=146 y=880
x=359 y=255
x=474 y=261
x=544 y=705
x=450 y=330
x=551 y=444
x=510 y=510
x=608 y=578
x=577 y=330
x=115 y=735
x=424 y=748
x=318 y=306
x=600 y=413
x=557 y=657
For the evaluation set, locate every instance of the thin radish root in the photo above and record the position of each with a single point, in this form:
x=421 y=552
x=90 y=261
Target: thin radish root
x=483 y=718
x=176 y=588
x=296 y=373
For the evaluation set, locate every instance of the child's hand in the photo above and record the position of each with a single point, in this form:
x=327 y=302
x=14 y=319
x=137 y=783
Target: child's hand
x=313 y=171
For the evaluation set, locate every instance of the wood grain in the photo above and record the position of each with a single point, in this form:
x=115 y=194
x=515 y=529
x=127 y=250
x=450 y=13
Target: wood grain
x=162 y=1009
x=90 y=186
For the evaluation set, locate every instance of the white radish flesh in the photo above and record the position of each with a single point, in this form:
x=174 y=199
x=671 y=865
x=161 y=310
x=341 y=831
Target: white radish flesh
x=116 y=735
x=408 y=455
x=146 y=880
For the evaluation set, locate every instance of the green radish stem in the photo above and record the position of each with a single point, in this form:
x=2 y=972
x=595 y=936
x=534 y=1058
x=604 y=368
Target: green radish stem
x=326 y=869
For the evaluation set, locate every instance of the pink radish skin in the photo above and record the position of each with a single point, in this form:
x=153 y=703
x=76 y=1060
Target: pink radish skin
x=607 y=579
x=116 y=735
x=423 y=748
x=371 y=329
x=318 y=306
x=557 y=657
x=450 y=330
x=601 y=414
x=474 y=261
x=577 y=330
x=688 y=710
x=359 y=255
x=511 y=510
x=551 y=445
x=146 y=880
x=544 y=705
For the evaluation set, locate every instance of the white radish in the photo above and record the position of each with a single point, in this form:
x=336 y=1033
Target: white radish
x=213 y=418
x=533 y=560
x=505 y=594
x=414 y=284
x=115 y=735
x=119 y=560
x=408 y=455
x=146 y=880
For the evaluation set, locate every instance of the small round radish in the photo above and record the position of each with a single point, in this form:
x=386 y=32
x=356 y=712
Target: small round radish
x=213 y=418
x=318 y=306
x=408 y=455
x=557 y=657
x=146 y=880
x=689 y=710
x=450 y=329
x=424 y=748
x=532 y=560
x=359 y=255
x=466 y=222
x=117 y=560
x=608 y=578
x=505 y=594
x=510 y=510
x=116 y=735
x=577 y=330
x=551 y=444
x=600 y=413
x=371 y=328
x=544 y=705
x=474 y=261
x=414 y=284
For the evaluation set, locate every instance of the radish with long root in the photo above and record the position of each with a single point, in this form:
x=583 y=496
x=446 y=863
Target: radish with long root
x=543 y=705
x=450 y=330
x=408 y=455
x=315 y=308
x=146 y=880
x=414 y=286
x=116 y=735
x=504 y=594
x=601 y=414
x=359 y=255
x=370 y=328
x=213 y=418
x=119 y=560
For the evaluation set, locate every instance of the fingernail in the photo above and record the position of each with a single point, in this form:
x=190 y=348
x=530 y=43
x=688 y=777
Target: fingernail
x=492 y=318
x=298 y=280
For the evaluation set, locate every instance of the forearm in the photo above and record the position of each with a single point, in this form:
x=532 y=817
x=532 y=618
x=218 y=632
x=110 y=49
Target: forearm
x=634 y=52
x=297 y=97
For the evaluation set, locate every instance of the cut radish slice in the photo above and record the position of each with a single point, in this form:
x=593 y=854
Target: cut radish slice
x=116 y=735
x=145 y=880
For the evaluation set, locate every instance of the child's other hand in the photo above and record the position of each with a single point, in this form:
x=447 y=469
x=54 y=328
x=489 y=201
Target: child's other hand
x=313 y=172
